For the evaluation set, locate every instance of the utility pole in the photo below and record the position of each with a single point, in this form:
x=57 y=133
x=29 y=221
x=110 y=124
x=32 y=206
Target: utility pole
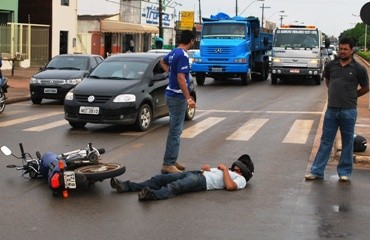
x=160 y=27
x=200 y=14
x=236 y=7
x=263 y=9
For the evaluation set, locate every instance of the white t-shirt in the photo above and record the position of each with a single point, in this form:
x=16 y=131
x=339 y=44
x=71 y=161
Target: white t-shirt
x=215 y=179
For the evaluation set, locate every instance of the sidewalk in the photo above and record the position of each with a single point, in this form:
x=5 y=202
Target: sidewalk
x=19 y=91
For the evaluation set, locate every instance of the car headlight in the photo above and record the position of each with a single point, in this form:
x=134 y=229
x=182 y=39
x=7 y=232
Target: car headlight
x=125 y=98
x=73 y=81
x=69 y=96
x=34 y=80
x=198 y=60
x=276 y=60
x=314 y=61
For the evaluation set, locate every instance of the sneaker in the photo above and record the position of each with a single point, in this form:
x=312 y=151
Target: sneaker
x=169 y=169
x=118 y=185
x=343 y=178
x=311 y=177
x=146 y=194
x=180 y=166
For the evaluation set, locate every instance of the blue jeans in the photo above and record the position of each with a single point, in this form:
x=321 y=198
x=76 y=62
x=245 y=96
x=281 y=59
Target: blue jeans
x=345 y=120
x=177 y=110
x=169 y=185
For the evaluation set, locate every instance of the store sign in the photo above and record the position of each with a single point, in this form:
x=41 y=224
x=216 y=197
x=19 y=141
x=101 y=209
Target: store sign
x=187 y=20
x=150 y=15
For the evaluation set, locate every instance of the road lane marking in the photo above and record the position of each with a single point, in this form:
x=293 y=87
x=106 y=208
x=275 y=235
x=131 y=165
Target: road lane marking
x=250 y=111
x=247 y=131
x=29 y=118
x=299 y=132
x=200 y=127
x=47 y=126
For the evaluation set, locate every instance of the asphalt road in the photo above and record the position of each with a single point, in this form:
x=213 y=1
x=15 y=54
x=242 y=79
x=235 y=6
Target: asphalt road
x=279 y=126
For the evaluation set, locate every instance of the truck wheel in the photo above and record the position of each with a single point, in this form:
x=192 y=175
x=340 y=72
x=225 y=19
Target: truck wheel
x=274 y=79
x=200 y=78
x=317 y=80
x=246 y=79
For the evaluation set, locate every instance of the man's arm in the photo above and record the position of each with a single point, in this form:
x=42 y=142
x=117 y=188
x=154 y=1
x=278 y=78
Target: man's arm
x=362 y=91
x=182 y=83
x=229 y=183
x=165 y=67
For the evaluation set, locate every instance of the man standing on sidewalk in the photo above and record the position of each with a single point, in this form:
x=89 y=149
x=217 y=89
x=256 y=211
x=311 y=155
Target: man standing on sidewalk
x=343 y=76
x=177 y=98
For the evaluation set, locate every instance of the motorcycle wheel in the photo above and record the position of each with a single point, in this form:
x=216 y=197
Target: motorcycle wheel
x=2 y=101
x=101 y=171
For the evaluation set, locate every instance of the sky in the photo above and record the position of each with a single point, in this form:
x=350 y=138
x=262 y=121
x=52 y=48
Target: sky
x=331 y=16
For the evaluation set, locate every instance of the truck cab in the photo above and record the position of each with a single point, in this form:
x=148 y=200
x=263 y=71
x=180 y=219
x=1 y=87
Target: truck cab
x=232 y=48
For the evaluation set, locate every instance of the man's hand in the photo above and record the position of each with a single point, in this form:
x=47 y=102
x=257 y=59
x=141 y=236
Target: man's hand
x=222 y=167
x=205 y=167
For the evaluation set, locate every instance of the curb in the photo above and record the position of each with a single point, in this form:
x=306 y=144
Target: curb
x=17 y=99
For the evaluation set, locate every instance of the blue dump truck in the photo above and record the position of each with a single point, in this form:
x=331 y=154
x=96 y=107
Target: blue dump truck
x=232 y=47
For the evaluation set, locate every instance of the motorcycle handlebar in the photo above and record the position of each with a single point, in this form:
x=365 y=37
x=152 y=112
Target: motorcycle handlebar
x=22 y=150
x=101 y=150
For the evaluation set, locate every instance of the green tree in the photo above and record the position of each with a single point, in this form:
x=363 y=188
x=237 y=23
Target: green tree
x=357 y=34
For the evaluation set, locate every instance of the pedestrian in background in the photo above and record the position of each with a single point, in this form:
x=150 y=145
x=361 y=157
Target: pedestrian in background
x=177 y=98
x=342 y=76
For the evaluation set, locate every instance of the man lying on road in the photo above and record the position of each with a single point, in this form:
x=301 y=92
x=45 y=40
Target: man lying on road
x=165 y=186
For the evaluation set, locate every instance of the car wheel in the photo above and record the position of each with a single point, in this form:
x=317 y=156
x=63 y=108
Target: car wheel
x=77 y=124
x=274 y=79
x=36 y=100
x=200 y=78
x=144 y=118
x=190 y=113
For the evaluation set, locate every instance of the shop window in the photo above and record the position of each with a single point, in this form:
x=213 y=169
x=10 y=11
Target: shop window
x=64 y=2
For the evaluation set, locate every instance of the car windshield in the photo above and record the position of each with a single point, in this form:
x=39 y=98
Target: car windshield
x=69 y=63
x=119 y=70
x=297 y=38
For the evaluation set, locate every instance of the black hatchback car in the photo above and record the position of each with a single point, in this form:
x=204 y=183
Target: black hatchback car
x=125 y=89
x=62 y=73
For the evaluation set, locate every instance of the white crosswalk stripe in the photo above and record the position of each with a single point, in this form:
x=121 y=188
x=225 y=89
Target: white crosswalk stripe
x=47 y=126
x=299 y=132
x=27 y=119
x=247 y=131
x=200 y=127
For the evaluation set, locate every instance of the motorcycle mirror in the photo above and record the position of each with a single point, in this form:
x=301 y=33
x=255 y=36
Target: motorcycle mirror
x=6 y=150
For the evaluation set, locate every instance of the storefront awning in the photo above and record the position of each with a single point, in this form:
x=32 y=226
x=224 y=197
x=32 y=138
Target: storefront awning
x=124 y=27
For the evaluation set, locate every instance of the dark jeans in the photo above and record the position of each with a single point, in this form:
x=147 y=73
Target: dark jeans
x=169 y=185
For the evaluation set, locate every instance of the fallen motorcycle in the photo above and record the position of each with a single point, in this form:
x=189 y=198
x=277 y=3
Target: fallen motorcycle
x=3 y=89
x=70 y=170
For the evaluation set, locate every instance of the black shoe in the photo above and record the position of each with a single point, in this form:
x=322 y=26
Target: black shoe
x=118 y=185
x=146 y=194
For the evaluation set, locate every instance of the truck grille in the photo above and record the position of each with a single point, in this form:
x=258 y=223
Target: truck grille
x=219 y=51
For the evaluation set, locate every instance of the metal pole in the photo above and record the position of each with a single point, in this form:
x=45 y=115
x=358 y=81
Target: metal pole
x=365 y=49
x=160 y=19
x=200 y=13
x=236 y=7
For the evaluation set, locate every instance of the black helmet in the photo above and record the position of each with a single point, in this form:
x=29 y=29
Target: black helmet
x=359 y=144
x=246 y=166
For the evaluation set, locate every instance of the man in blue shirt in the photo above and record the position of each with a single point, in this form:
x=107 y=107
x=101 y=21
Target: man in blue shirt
x=177 y=98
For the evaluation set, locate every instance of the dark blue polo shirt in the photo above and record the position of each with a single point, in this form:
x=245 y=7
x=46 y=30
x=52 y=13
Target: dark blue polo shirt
x=343 y=83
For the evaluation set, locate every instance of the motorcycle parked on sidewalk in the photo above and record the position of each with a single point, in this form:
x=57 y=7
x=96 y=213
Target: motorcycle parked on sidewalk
x=70 y=170
x=3 y=89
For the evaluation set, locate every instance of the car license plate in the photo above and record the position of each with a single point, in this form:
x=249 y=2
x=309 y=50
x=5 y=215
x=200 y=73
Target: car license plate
x=50 y=90
x=294 y=70
x=216 y=69
x=69 y=179
x=89 y=110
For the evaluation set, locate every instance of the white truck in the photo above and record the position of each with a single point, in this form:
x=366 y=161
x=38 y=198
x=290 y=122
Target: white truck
x=296 y=53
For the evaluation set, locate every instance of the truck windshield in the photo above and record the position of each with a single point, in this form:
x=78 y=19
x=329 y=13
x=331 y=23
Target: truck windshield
x=296 y=38
x=224 y=30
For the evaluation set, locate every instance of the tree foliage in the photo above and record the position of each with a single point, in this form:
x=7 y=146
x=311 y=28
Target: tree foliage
x=358 y=35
